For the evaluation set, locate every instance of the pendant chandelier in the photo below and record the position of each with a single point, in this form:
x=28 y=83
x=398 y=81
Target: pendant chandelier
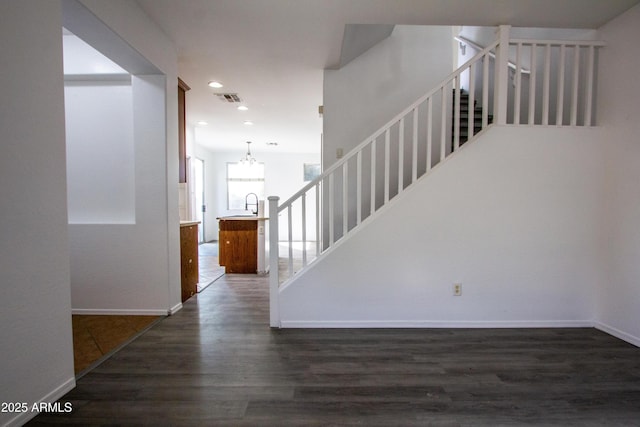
x=248 y=159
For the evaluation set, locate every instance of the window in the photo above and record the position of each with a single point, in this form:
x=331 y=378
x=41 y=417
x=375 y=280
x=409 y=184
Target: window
x=311 y=171
x=242 y=180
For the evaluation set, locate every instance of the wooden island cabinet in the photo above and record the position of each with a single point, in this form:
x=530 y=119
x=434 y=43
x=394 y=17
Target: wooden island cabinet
x=241 y=242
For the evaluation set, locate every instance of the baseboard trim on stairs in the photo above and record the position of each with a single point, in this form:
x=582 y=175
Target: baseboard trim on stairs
x=55 y=394
x=435 y=324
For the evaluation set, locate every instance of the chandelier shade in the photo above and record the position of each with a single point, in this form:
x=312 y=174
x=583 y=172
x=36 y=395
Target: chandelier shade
x=248 y=159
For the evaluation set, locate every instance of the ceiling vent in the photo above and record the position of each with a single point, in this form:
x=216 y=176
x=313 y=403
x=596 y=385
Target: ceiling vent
x=228 y=97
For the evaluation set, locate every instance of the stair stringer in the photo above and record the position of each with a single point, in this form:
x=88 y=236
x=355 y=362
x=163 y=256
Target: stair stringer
x=469 y=222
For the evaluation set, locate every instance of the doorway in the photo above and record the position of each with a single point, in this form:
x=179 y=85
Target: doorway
x=209 y=267
x=199 y=207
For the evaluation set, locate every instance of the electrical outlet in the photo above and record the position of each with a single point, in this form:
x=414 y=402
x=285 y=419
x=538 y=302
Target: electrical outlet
x=457 y=289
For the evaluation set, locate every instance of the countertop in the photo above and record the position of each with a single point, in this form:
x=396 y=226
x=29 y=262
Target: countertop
x=242 y=218
x=188 y=223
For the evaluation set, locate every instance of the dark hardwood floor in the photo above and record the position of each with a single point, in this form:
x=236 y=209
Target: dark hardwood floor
x=216 y=362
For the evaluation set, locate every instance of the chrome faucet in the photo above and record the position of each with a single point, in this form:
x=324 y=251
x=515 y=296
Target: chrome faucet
x=246 y=203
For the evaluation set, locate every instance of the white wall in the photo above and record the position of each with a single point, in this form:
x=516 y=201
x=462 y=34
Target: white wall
x=619 y=294
x=35 y=309
x=514 y=217
x=81 y=59
x=370 y=90
x=283 y=177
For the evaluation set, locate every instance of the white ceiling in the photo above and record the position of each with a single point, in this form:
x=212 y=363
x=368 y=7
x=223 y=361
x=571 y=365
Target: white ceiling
x=273 y=53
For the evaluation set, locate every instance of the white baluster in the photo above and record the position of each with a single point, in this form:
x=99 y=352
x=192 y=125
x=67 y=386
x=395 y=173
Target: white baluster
x=429 y=131
x=401 y=155
x=485 y=91
x=318 y=229
x=290 y=239
x=373 y=176
x=414 y=155
x=574 y=89
x=274 y=279
x=589 y=84
x=545 y=85
x=532 y=85
x=359 y=188
x=386 y=165
x=331 y=212
x=501 y=76
x=304 y=229
x=560 y=87
x=472 y=100
x=518 y=88
x=456 y=113
x=443 y=125
x=345 y=198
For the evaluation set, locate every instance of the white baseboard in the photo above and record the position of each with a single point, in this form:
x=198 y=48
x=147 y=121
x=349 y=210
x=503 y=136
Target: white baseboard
x=359 y=324
x=437 y=324
x=618 y=333
x=51 y=397
x=120 y=312
x=176 y=308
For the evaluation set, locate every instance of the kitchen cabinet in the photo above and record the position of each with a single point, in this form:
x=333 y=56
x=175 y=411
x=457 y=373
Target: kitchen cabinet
x=189 y=271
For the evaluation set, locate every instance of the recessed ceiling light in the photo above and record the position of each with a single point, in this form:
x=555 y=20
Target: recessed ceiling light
x=243 y=108
x=273 y=144
x=215 y=85
x=248 y=122
x=202 y=123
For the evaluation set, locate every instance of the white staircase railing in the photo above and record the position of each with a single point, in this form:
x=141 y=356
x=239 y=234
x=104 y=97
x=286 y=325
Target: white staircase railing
x=559 y=89
x=354 y=189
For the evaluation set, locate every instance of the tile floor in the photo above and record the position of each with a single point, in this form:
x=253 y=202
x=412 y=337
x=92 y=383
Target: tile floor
x=95 y=337
x=208 y=265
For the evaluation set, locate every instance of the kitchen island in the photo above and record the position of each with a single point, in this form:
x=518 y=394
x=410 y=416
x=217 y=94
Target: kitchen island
x=242 y=244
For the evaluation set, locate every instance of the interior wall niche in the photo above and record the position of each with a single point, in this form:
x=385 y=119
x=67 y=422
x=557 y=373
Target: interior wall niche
x=99 y=136
x=100 y=152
